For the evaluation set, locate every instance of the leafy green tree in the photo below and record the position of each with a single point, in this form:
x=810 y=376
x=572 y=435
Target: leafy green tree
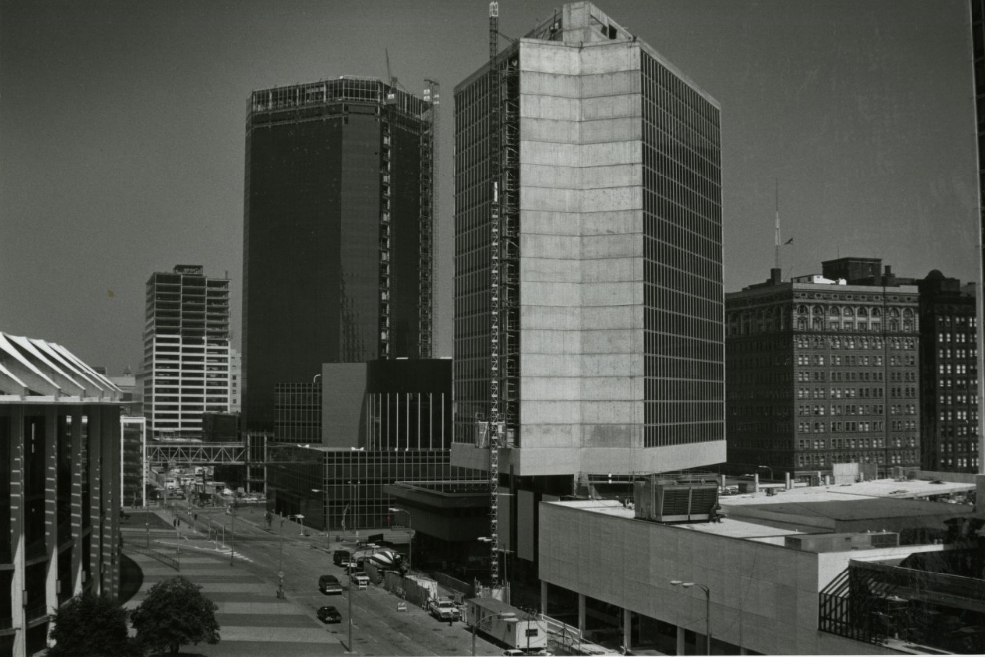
x=173 y=614
x=91 y=625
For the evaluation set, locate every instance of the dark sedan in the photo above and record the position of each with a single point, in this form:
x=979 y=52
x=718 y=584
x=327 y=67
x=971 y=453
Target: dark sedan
x=329 y=615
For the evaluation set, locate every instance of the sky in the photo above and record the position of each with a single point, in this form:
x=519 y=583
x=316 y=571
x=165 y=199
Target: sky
x=122 y=134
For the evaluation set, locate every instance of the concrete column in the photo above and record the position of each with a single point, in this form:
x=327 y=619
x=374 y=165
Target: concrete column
x=76 y=451
x=110 y=436
x=722 y=481
x=543 y=597
x=581 y=612
x=17 y=544
x=787 y=485
x=94 y=446
x=680 y=641
x=755 y=483
x=627 y=628
x=52 y=539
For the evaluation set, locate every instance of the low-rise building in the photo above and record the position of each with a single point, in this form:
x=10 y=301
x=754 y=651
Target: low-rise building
x=760 y=585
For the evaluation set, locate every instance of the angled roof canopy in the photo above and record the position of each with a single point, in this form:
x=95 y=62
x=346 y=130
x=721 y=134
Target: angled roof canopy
x=34 y=368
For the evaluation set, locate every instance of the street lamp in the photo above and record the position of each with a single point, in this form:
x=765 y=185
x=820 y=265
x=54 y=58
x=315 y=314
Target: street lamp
x=687 y=585
x=351 y=588
x=410 y=541
x=508 y=616
x=232 y=531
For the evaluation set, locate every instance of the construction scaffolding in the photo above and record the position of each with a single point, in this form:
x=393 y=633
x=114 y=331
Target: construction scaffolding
x=387 y=120
x=495 y=253
x=427 y=301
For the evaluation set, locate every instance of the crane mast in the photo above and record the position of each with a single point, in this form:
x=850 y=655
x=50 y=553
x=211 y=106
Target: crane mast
x=496 y=252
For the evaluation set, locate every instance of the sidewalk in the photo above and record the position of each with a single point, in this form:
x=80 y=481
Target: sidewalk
x=252 y=620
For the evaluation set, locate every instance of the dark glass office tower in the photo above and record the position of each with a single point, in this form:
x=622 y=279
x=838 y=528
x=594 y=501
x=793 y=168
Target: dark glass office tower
x=337 y=247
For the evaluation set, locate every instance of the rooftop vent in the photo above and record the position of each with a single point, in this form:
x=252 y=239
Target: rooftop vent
x=669 y=500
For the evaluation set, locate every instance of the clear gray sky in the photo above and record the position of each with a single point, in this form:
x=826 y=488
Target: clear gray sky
x=122 y=133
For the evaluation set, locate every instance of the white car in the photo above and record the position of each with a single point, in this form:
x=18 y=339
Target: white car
x=444 y=609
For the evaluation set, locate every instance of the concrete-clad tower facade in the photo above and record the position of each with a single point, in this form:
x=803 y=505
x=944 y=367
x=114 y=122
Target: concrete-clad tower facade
x=612 y=343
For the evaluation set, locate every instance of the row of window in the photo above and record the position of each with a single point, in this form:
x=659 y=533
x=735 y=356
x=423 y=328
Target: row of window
x=842 y=409
x=846 y=393
x=854 y=342
x=822 y=459
x=843 y=426
x=856 y=443
x=959 y=415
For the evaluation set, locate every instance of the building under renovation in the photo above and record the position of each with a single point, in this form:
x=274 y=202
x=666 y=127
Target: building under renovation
x=186 y=351
x=338 y=243
x=588 y=267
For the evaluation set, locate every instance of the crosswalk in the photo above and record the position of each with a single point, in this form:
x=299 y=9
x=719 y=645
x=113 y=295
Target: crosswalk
x=252 y=620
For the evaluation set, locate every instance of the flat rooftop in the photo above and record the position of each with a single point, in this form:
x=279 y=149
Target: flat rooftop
x=732 y=527
x=867 y=500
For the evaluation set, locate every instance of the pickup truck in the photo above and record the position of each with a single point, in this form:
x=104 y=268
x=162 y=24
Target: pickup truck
x=444 y=609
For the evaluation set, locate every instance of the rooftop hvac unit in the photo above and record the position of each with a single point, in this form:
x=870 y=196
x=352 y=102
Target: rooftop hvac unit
x=841 y=542
x=663 y=500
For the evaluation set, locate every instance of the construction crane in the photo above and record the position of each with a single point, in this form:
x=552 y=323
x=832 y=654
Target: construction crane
x=494 y=225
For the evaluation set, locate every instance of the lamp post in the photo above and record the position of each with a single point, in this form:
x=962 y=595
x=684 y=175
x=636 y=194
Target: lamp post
x=509 y=616
x=232 y=530
x=410 y=541
x=349 y=568
x=707 y=591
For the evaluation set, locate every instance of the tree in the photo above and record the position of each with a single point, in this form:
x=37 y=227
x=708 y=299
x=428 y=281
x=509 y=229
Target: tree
x=173 y=614
x=91 y=625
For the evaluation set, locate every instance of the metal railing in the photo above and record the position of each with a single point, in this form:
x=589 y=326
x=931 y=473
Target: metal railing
x=157 y=556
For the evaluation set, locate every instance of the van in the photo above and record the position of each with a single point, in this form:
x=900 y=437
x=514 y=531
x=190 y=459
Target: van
x=341 y=558
x=361 y=580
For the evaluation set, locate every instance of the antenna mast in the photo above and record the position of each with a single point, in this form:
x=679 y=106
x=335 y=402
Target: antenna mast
x=776 y=235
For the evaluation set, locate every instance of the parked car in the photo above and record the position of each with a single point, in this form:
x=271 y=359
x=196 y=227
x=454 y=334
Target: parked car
x=329 y=615
x=341 y=558
x=329 y=584
x=444 y=609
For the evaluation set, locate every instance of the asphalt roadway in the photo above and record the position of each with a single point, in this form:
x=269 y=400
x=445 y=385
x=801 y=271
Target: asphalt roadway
x=254 y=621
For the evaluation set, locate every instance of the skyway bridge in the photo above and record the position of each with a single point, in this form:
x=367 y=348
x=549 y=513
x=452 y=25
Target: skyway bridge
x=192 y=454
